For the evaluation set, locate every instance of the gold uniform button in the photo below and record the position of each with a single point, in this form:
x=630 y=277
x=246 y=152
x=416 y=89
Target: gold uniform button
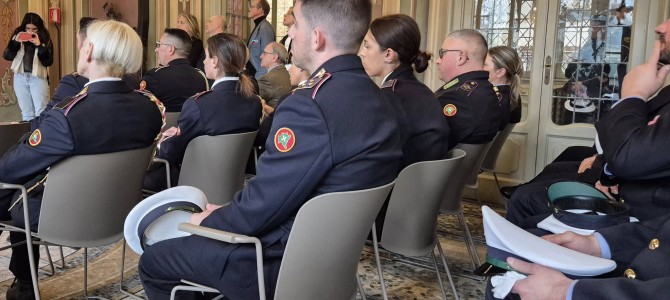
x=629 y=273
x=654 y=244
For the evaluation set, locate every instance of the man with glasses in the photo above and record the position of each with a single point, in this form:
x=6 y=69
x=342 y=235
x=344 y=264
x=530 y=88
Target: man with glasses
x=175 y=80
x=260 y=36
x=276 y=82
x=468 y=100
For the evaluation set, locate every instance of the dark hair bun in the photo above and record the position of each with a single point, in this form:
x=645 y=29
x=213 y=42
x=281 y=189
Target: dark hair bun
x=421 y=61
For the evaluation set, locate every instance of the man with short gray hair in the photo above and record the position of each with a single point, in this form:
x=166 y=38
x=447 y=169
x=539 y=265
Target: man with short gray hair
x=276 y=82
x=469 y=101
x=175 y=80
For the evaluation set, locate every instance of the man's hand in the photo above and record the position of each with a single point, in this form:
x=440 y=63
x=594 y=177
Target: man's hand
x=170 y=132
x=587 y=244
x=586 y=164
x=607 y=190
x=196 y=219
x=542 y=283
x=267 y=109
x=645 y=79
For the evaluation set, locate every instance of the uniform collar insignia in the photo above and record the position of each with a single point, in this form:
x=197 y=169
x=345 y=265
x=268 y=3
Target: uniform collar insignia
x=390 y=84
x=315 y=82
x=450 y=83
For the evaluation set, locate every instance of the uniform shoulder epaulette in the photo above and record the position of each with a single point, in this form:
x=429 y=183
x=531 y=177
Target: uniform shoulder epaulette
x=315 y=82
x=469 y=86
x=498 y=94
x=390 y=84
x=197 y=95
x=69 y=102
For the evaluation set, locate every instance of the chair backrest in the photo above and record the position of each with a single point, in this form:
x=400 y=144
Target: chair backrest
x=10 y=133
x=215 y=165
x=479 y=152
x=325 y=245
x=171 y=119
x=87 y=197
x=451 y=202
x=489 y=162
x=411 y=217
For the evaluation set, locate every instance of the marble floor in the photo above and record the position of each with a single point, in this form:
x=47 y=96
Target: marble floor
x=406 y=278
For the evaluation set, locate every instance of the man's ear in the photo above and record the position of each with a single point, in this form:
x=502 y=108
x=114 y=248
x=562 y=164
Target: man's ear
x=319 y=39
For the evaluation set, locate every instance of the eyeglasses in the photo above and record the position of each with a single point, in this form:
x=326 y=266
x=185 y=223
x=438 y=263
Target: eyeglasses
x=158 y=44
x=442 y=51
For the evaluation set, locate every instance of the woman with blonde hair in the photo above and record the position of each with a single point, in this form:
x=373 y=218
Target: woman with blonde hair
x=189 y=23
x=505 y=69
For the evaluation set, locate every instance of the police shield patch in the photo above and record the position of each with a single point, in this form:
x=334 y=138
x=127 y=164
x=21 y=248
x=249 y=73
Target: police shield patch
x=35 y=138
x=284 y=139
x=450 y=110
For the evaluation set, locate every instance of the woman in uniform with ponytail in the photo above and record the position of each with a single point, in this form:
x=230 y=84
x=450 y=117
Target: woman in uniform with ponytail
x=505 y=69
x=230 y=106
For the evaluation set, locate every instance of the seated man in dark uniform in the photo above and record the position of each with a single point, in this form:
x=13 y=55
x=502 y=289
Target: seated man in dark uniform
x=106 y=116
x=335 y=133
x=468 y=100
x=175 y=80
x=632 y=136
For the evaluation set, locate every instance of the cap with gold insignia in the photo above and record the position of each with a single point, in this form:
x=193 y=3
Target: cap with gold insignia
x=504 y=239
x=157 y=217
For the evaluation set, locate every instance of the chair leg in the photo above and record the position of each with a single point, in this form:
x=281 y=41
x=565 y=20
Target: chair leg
x=62 y=257
x=446 y=268
x=476 y=189
x=496 y=178
x=474 y=257
x=360 y=287
x=123 y=262
x=375 y=246
x=439 y=278
x=29 y=244
x=51 y=262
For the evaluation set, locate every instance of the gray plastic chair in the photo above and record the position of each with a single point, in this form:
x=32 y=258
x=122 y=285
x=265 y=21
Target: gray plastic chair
x=86 y=200
x=215 y=165
x=480 y=154
x=323 y=250
x=451 y=202
x=171 y=119
x=411 y=217
x=491 y=158
x=10 y=133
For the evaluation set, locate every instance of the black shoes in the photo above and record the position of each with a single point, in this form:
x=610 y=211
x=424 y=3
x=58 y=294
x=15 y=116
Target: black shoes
x=21 y=290
x=507 y=191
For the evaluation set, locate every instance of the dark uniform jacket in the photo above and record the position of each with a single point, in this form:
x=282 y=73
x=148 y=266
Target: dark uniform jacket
x=635 y=151
x=335 y=133
x=643 y=249
x=274 y=84
x=219 y=111
x=427 y=129
x=471 y=107
x=508 y=116
x=109 y=117
x=174 y=83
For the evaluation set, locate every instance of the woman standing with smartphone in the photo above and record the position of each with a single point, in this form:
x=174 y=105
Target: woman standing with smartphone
x=31 y=52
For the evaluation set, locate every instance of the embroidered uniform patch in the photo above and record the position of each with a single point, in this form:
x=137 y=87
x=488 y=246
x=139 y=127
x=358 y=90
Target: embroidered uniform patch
x=35 y=138
x=450 y=110
x=469 y=87
x=284 y=139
